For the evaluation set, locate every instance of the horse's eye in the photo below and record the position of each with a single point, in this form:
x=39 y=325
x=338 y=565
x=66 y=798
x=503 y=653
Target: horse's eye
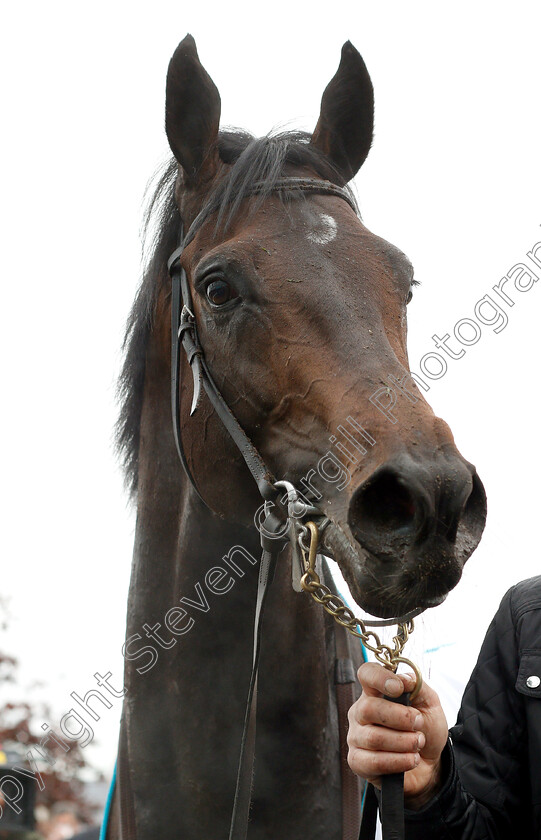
x=409 y=297
x=219 y=292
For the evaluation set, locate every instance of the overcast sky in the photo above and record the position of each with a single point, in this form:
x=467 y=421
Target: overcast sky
x=453 y=179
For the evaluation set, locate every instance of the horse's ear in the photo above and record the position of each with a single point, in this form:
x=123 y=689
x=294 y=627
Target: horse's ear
x=346 y=122
x=192 y=113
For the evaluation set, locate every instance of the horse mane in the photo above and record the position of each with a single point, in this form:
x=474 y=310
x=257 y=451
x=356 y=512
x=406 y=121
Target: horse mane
x=262 y=160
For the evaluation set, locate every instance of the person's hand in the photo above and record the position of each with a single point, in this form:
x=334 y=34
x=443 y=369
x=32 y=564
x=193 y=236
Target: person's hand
x=387 y=737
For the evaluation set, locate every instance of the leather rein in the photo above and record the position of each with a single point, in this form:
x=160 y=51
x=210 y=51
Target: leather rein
x=184 y=334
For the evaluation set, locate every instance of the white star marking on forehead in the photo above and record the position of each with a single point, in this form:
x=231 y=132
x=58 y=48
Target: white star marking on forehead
x=324 y=231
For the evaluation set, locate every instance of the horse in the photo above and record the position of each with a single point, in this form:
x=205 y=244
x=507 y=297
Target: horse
x=301 y=318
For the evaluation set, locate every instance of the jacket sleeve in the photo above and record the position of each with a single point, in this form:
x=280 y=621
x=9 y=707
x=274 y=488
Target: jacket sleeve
x=485 y=761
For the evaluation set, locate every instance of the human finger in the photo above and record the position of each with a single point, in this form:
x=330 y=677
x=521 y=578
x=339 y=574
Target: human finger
x=376 y=680
x=380 y=739
x=379 y=711
x=371 y=765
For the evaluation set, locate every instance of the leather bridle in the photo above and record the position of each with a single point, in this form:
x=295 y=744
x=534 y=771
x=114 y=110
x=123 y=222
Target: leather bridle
x=184 y=333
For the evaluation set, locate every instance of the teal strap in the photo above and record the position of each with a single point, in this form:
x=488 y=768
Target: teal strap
x=109 y=802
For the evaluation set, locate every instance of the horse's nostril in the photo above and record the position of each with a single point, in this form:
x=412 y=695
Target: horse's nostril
x=382 y=505
x=405 y=504
x=471 y=523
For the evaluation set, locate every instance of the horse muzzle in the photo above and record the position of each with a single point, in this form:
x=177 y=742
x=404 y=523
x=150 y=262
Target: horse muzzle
x=414 y=523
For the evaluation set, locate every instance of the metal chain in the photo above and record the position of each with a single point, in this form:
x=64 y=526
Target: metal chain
x=390 y=656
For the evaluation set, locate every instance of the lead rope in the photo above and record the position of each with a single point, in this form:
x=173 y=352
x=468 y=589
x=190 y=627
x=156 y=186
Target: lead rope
x=392 y=785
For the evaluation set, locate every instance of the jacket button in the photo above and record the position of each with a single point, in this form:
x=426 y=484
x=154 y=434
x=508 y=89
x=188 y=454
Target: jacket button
x=533 y=682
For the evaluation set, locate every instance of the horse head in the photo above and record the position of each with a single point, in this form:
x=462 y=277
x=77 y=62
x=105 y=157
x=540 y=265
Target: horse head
x=301 y=312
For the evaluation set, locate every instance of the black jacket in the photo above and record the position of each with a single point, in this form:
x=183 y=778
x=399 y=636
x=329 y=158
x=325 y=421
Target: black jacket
x=492 y=767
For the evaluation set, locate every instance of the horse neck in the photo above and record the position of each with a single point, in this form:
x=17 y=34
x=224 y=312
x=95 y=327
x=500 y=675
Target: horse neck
x=184 y=714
